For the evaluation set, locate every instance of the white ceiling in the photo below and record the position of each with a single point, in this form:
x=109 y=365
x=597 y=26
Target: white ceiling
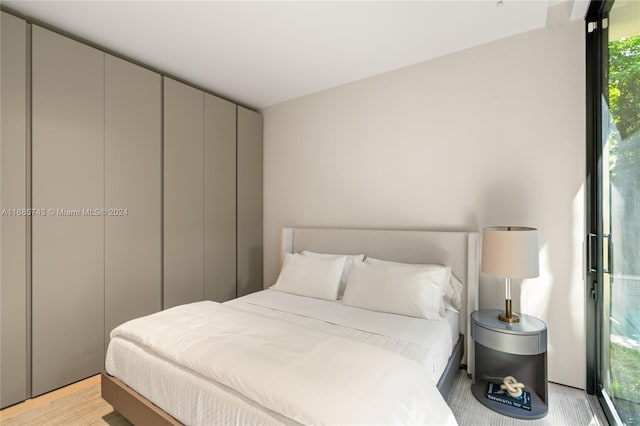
x=263 y=53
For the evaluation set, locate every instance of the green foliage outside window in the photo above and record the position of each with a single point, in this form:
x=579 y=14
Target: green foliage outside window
x=624 y=148
x=625 y=374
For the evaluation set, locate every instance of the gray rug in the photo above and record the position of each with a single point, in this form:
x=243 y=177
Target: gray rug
x=567 y=406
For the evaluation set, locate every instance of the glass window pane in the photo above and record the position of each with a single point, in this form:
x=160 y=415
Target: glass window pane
x=622 y=154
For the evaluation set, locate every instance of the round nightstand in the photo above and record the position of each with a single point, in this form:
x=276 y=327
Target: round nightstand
x=510 y=349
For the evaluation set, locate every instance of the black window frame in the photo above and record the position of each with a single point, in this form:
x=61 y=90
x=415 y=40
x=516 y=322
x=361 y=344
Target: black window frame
x=596 y=86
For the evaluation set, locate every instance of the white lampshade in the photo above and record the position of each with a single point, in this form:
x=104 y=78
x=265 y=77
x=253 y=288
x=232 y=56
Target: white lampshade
x=510 y=252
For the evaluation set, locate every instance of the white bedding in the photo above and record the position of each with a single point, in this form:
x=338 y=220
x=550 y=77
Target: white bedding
x=427 y=342
x=189 y=397
x=190 y=393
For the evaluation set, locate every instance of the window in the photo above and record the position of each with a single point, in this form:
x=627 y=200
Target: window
x=613 y=95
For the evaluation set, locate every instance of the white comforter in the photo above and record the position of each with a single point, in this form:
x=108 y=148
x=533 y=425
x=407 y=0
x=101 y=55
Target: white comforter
x=428 y=342
x=306 y=375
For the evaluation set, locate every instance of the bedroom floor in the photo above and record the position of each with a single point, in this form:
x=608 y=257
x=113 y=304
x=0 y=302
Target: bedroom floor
x=80 y=404
x=567 y=406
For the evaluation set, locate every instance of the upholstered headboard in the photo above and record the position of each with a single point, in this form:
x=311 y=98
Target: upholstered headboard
x=456 y=249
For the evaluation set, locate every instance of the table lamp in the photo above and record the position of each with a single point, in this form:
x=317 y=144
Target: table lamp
x=510 y=252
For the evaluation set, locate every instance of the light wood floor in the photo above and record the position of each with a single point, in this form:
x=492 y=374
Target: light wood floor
x=78 y=404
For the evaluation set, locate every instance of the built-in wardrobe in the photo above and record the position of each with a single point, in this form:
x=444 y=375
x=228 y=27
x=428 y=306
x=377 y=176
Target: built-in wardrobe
x=123 y=192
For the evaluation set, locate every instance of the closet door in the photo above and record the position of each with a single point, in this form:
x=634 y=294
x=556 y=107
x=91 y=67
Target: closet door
x=13 y=227
x=133 y=255
x=183 y=193
x=249 y=195
x=68 y=243
x=219 y=199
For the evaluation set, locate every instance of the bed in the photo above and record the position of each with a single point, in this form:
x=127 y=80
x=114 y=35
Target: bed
x=328 y=350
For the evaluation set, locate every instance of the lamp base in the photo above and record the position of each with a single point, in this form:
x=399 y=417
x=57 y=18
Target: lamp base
x=511 y=319
x=507 y=315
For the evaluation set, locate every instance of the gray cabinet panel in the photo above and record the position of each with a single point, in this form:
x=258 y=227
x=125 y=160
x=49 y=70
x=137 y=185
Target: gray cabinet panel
x=133 y=255
x=13 y=228
x=249 y=195
x=68 y=174
x=183 y=193
x=219 y=199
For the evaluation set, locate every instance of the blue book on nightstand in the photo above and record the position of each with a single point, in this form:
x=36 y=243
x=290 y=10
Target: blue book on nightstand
x=494 y=393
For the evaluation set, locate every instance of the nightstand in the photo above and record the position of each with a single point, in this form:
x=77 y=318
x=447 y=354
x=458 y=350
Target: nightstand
x=517 y=349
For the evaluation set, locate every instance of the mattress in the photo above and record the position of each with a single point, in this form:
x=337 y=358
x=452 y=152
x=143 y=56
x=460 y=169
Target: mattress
x=190 y=397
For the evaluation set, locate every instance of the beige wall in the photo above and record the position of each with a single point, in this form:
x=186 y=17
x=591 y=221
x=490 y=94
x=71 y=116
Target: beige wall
x=493 y=135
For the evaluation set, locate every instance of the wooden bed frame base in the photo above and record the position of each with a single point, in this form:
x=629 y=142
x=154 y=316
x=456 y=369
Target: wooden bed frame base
x=141 y=412
x=451 y=370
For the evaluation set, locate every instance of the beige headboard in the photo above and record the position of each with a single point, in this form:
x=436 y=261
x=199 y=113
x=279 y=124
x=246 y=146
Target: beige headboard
x=456 y=249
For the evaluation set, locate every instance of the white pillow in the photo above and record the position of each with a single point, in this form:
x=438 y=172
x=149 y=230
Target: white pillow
x=347 y=265
x=403 y=290
x=452 y=295
x=310 y=276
